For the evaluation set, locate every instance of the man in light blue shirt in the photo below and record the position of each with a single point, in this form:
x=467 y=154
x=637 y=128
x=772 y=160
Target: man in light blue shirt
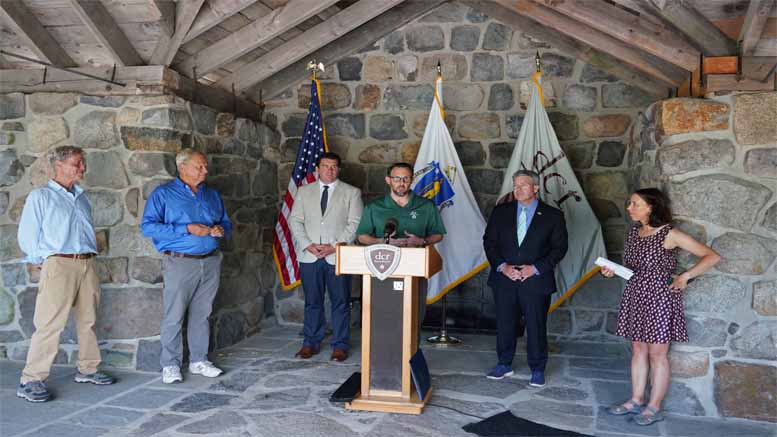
x=185 y=219
x=56 y=230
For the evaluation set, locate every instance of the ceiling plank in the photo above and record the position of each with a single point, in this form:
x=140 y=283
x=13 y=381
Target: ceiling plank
x=167 y=47
x=252 y=36
x=755 y=21
x=346 y=45
x=594 y=38
x=642 y=8
x=629 y=28
x=313 y=39
x=213 y=13
x=149 y=80
x=697 y=27
x=37 y=37
x=503 y=11
x=166 y=9
x=100 y=22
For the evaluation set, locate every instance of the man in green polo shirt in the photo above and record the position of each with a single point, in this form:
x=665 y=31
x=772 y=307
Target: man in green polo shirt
x=418 y=220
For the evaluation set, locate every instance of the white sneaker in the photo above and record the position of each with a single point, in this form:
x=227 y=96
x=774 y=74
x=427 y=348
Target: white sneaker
x=171 y=374
x=204 y=368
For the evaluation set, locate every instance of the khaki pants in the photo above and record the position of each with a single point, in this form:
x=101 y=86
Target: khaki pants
x=64 y=283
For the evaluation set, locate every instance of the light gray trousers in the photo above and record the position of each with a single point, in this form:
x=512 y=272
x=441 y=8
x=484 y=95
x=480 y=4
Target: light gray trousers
x=190 y=289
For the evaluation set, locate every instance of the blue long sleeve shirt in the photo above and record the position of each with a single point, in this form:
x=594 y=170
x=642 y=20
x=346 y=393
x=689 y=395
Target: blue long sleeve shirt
x=173 y=206
x=55 y=220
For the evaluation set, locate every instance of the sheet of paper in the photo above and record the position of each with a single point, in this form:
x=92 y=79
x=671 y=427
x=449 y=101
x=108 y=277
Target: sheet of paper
x=619 y=270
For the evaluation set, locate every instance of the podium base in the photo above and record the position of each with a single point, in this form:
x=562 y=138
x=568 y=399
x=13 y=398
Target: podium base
x=388 y=404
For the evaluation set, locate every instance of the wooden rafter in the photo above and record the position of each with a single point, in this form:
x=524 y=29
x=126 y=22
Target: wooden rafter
x=630 y=29
x=166 y=9
x=167 y=47
x=755 y=21
x=213 y=13
x=150 y=79
x=504 y=11
x=696 y=26
x=311 y=40
x=252 y=36
x=347 y=45
x=100 y=22
x=561 y=23
x=36 y=36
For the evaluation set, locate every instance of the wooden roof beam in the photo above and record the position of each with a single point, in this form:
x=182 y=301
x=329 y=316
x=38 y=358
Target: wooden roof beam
x=346 y=45
x=696 y=26
x=646 y=62
x=36 y=36
x=168 y=45
x=252 y=35
x=213 y=13
x=100 y=22
x=504 y=11
x=630 y=29
x=755 y=21
x=313 y=39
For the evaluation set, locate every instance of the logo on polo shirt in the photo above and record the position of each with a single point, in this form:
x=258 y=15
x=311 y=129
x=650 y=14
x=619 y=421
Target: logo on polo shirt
x=413 y=215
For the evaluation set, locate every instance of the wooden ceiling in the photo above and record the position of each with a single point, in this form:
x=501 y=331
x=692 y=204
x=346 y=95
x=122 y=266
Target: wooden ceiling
x=260 y=47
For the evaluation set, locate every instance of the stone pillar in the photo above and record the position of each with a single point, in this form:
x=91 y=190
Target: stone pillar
x=717 y=160
x=130 y=145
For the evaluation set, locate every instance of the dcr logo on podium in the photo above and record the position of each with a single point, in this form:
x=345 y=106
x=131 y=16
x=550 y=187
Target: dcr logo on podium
x=382 y=259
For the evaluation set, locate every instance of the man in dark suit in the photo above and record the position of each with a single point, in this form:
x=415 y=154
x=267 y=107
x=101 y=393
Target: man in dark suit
x=524 y=241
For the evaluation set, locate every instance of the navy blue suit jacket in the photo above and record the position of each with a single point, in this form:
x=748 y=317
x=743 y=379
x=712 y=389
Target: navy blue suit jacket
x=544 y=245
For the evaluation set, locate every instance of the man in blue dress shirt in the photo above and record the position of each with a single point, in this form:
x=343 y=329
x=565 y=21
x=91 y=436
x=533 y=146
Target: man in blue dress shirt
x=56 y=230
x=185 y=219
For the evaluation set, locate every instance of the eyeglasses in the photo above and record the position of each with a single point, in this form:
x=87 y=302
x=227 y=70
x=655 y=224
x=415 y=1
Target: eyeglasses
x=405 y=179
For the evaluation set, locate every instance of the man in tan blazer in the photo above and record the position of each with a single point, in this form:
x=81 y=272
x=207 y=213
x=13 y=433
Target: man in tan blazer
x=325 y=213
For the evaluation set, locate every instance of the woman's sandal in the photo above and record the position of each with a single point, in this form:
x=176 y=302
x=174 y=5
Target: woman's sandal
x=620 y=409
x=648 y=419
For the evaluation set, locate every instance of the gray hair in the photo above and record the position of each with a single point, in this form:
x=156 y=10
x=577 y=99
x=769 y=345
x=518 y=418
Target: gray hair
x=61 y=153
x=532 y=174
x=185 y=155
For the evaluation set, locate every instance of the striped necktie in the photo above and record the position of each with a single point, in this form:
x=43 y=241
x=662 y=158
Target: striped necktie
x=324 y=199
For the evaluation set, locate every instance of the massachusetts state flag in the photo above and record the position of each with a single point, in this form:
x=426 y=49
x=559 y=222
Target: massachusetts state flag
x=313 y=144
x=439 y=176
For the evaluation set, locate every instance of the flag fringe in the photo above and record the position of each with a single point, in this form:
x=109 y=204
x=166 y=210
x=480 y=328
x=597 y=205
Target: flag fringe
x=277 y=262
x=574 y=288
x=452 y=285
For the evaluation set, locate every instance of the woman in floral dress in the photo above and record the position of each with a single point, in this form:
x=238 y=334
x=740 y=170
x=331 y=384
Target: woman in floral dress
x=651 y=312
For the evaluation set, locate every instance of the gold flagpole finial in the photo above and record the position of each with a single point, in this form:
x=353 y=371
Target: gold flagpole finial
x=314 y=67
x=537 y=61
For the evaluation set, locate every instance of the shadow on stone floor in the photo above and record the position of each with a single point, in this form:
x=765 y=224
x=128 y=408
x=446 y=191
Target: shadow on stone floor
x=266 y=392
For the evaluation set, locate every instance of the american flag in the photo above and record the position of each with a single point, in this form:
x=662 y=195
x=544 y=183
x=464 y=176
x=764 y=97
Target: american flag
x=313 y=144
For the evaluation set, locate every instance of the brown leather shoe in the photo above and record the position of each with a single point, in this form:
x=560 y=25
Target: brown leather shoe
x=339 y=355
x=306 y=352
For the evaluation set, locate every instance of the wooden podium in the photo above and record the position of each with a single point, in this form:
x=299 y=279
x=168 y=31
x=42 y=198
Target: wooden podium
x=389 y=322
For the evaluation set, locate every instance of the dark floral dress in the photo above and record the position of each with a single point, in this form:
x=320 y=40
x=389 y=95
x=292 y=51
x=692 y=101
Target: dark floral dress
x=649 y=311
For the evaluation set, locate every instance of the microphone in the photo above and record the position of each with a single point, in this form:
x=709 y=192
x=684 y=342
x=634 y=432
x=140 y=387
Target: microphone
x=389 y=228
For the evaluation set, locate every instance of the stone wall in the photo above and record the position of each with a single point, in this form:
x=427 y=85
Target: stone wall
x=376 y=105
x=717 y=159
x=130 y=145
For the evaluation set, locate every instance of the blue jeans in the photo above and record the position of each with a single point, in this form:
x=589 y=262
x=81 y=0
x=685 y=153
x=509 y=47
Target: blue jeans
x=316 y=278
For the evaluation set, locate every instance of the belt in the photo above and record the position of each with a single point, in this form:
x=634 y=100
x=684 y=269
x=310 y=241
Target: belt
x=186 y=255
x=75 y=255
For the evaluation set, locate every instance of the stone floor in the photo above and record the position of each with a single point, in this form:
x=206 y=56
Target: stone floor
x=265 y=392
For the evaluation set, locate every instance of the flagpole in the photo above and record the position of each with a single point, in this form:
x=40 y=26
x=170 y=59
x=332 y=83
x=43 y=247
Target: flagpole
x=443 y=338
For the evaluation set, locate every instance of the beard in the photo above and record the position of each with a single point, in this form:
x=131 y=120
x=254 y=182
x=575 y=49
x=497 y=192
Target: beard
x=400 y=193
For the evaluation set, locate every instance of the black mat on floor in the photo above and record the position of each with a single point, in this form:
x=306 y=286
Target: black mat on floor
x=505 y=424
